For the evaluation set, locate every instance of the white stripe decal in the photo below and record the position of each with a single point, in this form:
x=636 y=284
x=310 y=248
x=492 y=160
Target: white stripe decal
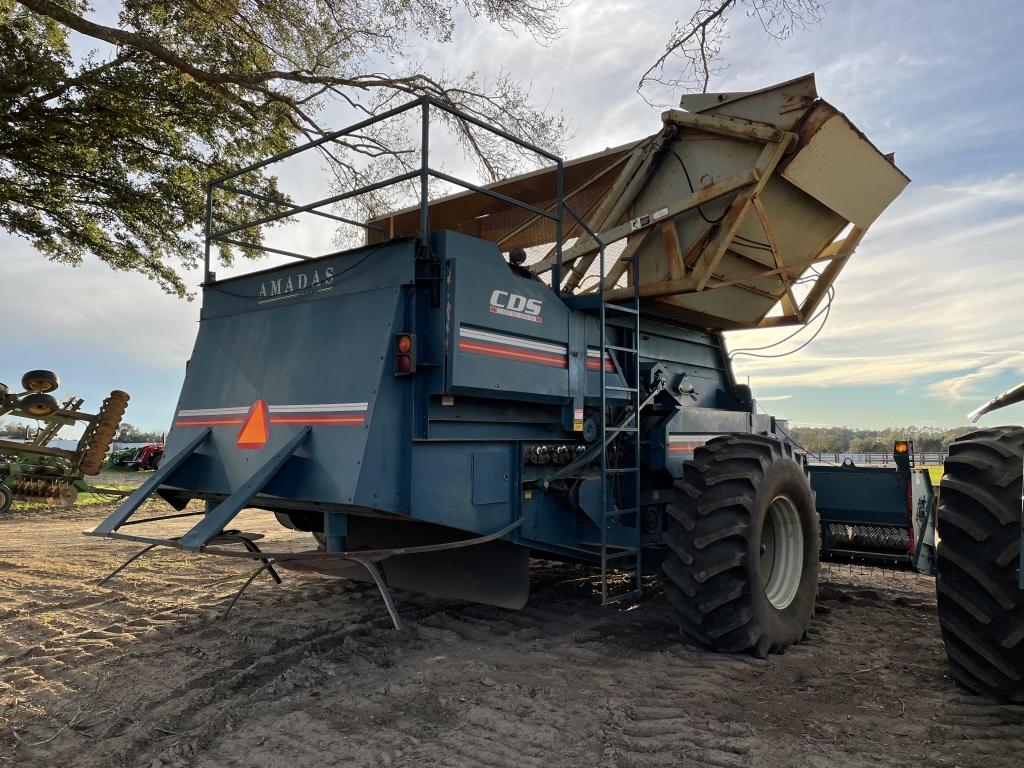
x=215 y=411
x=323 y=408
x=514 y=341
x=689 y=438
x=242 y=410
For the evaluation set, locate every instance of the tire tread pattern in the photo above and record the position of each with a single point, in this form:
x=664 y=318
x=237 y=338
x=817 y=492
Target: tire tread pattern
x=708 y=543
x=980 y=604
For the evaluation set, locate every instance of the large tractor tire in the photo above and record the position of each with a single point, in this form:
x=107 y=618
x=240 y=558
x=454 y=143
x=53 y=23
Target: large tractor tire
x=301 y=520
x=981 y=605
x=743 y=541
x=6 y=499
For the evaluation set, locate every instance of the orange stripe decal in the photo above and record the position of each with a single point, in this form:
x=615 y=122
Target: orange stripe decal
x=298 y=418
x=353 y=419
x=684 y=447
x=207 y=422
x=560 y=361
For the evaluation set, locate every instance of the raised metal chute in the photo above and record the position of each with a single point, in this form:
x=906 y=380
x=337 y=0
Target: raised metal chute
x=734 y=200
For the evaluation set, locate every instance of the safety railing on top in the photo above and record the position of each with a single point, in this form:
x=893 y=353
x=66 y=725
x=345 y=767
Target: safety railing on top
x=423 y=173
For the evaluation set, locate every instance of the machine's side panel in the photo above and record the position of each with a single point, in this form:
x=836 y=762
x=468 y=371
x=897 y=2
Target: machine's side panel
x=464 y=485
x=507 y=334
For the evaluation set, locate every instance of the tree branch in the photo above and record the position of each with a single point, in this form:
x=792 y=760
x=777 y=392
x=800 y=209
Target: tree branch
x=698 y=42
x=199 y=87
x=82 y=78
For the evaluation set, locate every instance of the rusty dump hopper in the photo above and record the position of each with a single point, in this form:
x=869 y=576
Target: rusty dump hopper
x=735 y=199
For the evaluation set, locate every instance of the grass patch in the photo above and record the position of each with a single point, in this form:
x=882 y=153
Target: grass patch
x=936 y=473
x=85 y=498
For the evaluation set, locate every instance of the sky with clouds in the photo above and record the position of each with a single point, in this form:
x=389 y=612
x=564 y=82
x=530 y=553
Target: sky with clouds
x=928 y=318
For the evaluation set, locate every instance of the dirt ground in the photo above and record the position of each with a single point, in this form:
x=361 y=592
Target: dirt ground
x=145 y=672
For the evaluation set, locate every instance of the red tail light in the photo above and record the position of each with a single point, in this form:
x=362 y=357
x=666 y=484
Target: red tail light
x=405 y=354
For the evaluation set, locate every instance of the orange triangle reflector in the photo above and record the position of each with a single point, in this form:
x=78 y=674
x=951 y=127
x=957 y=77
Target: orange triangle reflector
x=256 y=428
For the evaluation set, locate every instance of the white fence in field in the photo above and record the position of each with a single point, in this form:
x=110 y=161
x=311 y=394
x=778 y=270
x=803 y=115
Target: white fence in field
x=921 y=458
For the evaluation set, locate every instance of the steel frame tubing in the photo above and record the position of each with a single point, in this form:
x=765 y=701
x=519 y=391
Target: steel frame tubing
x=423 y=173
x=368 y=559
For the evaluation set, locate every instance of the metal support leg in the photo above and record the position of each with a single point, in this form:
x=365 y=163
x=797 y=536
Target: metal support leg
x=371 y=568
x=125 y=564
x=335 y=531
x=267 y=565
x=378 y=579
x=250 y=545
x=253 y=547
x=217 y=519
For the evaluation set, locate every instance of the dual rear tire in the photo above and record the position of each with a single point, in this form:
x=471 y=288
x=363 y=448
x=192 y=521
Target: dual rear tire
x=743 y=543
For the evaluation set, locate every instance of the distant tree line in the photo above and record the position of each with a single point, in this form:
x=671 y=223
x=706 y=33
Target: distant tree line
x=850 y=440
x=14 y=430
x=129 y=433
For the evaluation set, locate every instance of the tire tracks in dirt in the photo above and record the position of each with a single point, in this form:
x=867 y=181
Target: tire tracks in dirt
x=144 y=672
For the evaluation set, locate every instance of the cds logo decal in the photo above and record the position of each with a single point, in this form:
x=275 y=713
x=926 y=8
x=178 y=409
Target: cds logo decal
x=514 y=305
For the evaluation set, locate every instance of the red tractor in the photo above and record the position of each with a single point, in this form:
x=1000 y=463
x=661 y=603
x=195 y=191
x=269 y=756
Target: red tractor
x=146 y=457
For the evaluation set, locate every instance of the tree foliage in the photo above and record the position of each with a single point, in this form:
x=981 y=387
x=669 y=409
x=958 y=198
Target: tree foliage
x=106 y=153
x=129 y=433
x=109 y=128
x=15 y=430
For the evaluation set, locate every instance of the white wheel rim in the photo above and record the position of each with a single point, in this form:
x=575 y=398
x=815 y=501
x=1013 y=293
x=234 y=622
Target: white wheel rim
x=785 y=539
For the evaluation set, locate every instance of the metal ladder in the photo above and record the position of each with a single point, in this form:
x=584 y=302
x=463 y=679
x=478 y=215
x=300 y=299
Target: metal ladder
x=620 y=484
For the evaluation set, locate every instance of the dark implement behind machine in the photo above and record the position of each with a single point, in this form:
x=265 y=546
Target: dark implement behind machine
x=877 y=514
x=435 y=415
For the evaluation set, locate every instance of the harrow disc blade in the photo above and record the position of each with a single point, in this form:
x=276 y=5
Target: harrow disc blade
x=102 y=435
x=50 y=492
